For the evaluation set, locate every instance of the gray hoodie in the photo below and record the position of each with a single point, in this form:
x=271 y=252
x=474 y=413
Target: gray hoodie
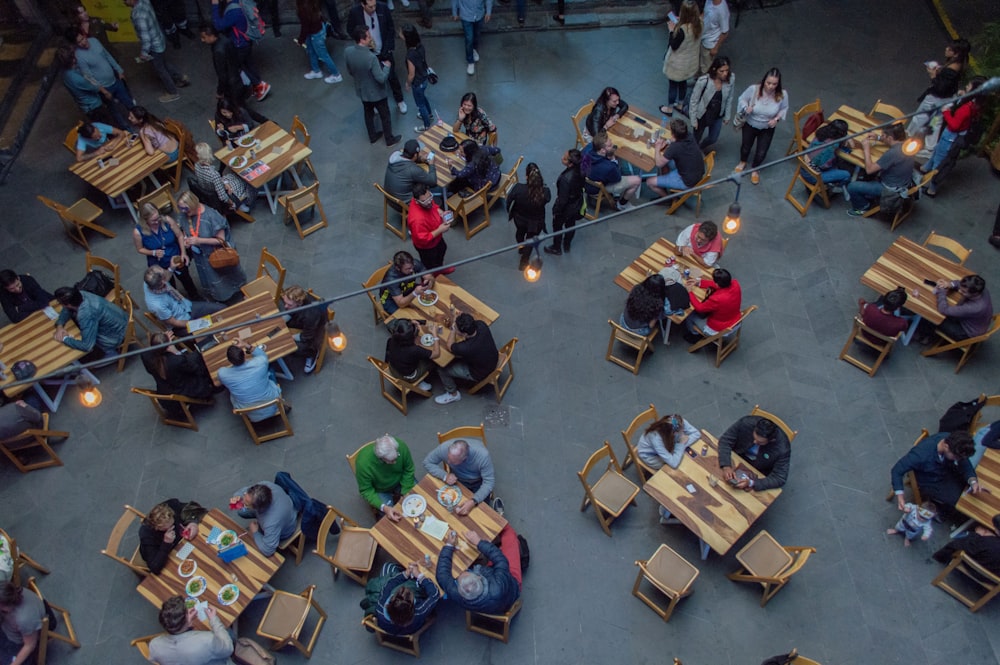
x=402 y=173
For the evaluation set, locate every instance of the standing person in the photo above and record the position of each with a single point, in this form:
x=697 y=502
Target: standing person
x=183 y=645
x=226 y=62
x=98 y=67
x=427 y=228
x=715 y=31
x=608 y=109
x=94 y=100
x=958 y=120
x=334 y=28
x=560 y=15
x=526 y=207
x=473 y=13
x=102 y=323
x=369 y=83
x=376 y=17
x=994 y=238
x=416 y=75
x=92 y=26
x=312 y=36
x=765 y=104
x=274 y=15
x=21 y=295
x=158 y=238
x=172 y=18
x=228 y=18
x=945 y=80
x=473 y=121
x=680 y=162
x=894 y=170
x=683 y=51
x=153 y=48
x=206 y=230
x=569 y=202
x=711 y=104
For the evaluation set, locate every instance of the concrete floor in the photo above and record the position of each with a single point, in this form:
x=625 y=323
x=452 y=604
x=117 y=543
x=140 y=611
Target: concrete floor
x=861 y=599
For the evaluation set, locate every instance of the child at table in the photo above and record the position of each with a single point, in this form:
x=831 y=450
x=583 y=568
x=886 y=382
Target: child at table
x=915 y=521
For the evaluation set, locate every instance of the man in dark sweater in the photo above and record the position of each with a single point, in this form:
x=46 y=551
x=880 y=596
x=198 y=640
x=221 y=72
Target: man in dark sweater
x=21 y=295
x=983 y=546
x=476 y=355
x=763 y=444
x=940 y=464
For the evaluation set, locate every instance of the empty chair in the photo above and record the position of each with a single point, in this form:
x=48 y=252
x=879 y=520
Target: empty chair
x=33 y=442
x=496 y=626
x=388 y=200
x=408 y=644
x=77 y=218
x=402 y=386
x=285 y=618
x=301 y=201
x=966 y=346
x=805 y=122
x=124 y=526
x=631 y=435
x=767 y=563
x=171 y=415
x=693 y=191
x=944 y=242
x=284 y=427
x=20 y=559
x=670 y=574
x=881 y=108
x=975 y=573
x=354 y=554
x=872 y=339
x=376 y=278
x=463 y=206
x=49 y=632
x=270 y=277
x=497 y=378
x=725 y=341
x=578 y=119
x=640 y=343
x=612 y=493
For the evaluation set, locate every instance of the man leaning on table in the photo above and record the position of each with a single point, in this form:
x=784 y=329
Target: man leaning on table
x=250 y=382
x=760 y=442
x=168 y=305
x=469 y=463
x=384 y=471
x=971 y=316
x=95 y=139
x=185 y=646
x=490 y=589
x=476 y=355
x=102 y=323
x=272 y=513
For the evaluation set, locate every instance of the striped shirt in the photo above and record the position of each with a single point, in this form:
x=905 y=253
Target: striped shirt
x=147 y=29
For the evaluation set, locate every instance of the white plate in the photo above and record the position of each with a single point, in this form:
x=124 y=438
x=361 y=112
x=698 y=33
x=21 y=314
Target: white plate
x=427 y=339
x=192 y=582
x=449 y=496
x=194 y=569
x=232 y=600
x=238 y=162
x=226 y=534
x=246 y=141
x=427 y=293
x=414 y=505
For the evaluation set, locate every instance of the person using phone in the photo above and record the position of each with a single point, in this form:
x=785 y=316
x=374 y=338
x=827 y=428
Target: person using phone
x=762 y=443
x=427 y=226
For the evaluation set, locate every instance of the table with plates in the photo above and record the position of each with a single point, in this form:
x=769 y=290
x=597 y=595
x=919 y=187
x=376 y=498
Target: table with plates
x=718 y=515
x=250 y=573
x=114 y=180
x=405 y=542
x=907 y=264
x=272 y=333
x=858 y=121
x=633 y=134
x=274 y=150
x=450 y=295
x=430 y=143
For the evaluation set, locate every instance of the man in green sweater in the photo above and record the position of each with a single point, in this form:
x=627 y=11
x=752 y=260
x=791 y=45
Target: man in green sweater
x=385 y=471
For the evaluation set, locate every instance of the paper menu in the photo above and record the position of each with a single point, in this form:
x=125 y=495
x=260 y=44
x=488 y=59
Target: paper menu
x=435 y=528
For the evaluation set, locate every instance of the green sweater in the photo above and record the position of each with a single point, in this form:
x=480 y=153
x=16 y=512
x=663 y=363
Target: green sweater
x=375 y=476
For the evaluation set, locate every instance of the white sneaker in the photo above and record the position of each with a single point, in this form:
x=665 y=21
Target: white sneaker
x=475 y=55
x=310 y=365
x=402 y=107
x=334 y=78
x=314 y=75
x=424 y=385
x=624 y=205
x=470 y=69
x=448 y=398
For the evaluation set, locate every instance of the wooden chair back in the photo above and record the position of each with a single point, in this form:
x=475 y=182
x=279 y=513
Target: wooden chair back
x=767 y=563
x=872 y=339
x=299 y=202
x=285 y=618
x=182 y=401
x=77 y=218
x=402 y=386
x=695 y=191
x=908 y=203
x=602 y=196
x=270 y=278
x=142 y=643
x=71 y=136
x=881 y=108
x=815 y=188
x=612 y=493
x=966 y=346
x=300 y=132
x=496 y=626
x=910 y=480
x=578 y=119
x=800 y=141
x=352 y=458
x=640 y=343
x=94 y=262
x=33 y=441
x=122 y=527
x=975 y=574
x=937 y=240
x=507 y=182
x=631 y=435
x=374 y=280
x=463 y=432
x=127 y=304
x=388 y=200
x=465 y=206
x=725 y=341
x=295 y=543
x=789 y=432
x=162 y=197
x=496 y=378
x=284 y=428
x=493 y=138
x=408 y=644
x=175 y=169
x=354 y=553
x=978 y=420
x=48 y=633
x=671 y=574
x=20 y=559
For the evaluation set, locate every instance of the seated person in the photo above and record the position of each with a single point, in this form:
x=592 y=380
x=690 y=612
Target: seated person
x=232 y=120
x=824 y=159
x=480 y=167
x=102 y=323
x=384 y=471
x=469 y=463
x=407 y=358
x=404 y=170
x=168 y=305
x=22 y=613
x=232 y=191
x=599 y=164
x=488 y=589
x=408 y=597
x=665 y=441
x=720 y=308
x=883 y=318
x=608 y=109
x=701 y=241
x=476 y=355
x=984 y=438
x=183 y=644
x=177 y=371
x=973 y=314
x=681 y=161
x=940 y=465
x=760 y=442
x=310 y=324
x=250 y=382
x=473 y=121
x=983 y=545
x=273 y=513
x=644 y=307
x=16 y=417
x=95 y=139
x=153 y=133
x=161 y=531
x=21 y=295
x=678 y=299
x=401 y=294
x=894 y=170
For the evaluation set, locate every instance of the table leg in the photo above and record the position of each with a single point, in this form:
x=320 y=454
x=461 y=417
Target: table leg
x=44 y=396
x=285 y=373
x=962 y=528
x=665 y=330
x=131 y=207
x=62 y=383
x=914 y=322
x=272 y=200
x=703 y=546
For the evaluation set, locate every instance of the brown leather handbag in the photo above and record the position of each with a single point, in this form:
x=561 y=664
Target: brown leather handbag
x=225 y=256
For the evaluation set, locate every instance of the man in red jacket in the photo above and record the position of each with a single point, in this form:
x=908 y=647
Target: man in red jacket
x=427 y=226
x=720 y=308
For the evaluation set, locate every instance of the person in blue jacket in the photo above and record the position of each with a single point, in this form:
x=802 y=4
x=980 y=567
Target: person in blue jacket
x=485 y=589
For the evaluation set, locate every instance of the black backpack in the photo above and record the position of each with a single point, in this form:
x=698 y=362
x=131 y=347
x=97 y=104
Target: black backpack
x=97 y=282
x=959 y=416
x=525 y=552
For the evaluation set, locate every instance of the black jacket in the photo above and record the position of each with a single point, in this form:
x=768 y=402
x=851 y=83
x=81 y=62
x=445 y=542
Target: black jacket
x=594 y=123
x=528 y=217
x=17 y=306
x=227 y=70
x=386 y=28
x=772 y=459
x=569 y=195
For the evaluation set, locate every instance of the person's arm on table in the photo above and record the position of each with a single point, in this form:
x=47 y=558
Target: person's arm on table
x=27 y=648
x=433 y=463
x=726 y=443
x=409 y=478
x=222 y=642
x=777 y=477
x=267 y=542
x=88 y=334
x=443 y=572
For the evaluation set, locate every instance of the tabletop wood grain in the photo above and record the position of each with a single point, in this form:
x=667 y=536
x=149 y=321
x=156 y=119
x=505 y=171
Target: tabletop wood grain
x=134 y=165
x=32 y=339
x=279 y=343
x=858 y=121
x=277 y=148
x=631 y=135
x=983 y=506
x=431 y=140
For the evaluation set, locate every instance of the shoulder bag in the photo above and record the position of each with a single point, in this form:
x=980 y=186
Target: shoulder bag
x=224 y=256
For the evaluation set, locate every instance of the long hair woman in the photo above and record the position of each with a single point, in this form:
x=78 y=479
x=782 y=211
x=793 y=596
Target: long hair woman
x=682 y=62
x=569 y=202
x=711 y=104
x=205 y=231
x=665 y=441
x=608 y=108
x=765 y=104
x=153 y=133
x=158 y=237
x=416 y=74
x=644 y=305
x=526 y=208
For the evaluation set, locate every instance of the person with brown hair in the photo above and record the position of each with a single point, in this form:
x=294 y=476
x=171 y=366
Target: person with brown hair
x=407 y=599
x=22 y=615
x=665 y=441
x=185 y=646
x=526 y=207
x=309 y=323
x=176 y=371
x=161 y=531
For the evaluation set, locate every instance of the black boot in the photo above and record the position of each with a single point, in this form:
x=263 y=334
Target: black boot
x=175 y=39
x=522 y=262
x=566 y=242
x=555 y=248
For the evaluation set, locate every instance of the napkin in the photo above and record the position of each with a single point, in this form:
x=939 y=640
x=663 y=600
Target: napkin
x=185 y=551
x=51 y=313
x=434 y=527
x=213 y=535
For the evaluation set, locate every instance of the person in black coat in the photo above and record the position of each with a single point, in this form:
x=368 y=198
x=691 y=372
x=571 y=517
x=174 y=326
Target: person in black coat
x=21 y=295
x=983 y=546
x=175 y=371
x=161 y=531
x=569 y=201
x=526 y=207
x=362 y=14
x=310 y=324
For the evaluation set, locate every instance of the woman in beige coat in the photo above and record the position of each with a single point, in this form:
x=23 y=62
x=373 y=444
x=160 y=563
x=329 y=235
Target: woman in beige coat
x=682 y=56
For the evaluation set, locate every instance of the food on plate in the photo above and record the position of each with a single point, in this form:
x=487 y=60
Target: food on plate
x=187 y=567
x=428 y=298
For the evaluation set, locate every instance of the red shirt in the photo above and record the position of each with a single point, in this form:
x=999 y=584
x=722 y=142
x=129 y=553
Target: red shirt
x=423 y=221
x=722 y=306
x=889 y=325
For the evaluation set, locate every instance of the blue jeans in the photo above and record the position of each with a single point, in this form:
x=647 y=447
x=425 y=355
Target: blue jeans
x=522 y=9
x=676 y=91
x=941 y=149
x=420 y=99
x=471 y=30
x=671 y=180
x=864 y=193
x=316 y=48
x=120 y=91
x=696 y=322
x=713 y=133
x=837 y=177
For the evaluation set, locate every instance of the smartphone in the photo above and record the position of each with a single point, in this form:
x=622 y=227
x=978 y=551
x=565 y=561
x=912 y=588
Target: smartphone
x=691 y=453
x=272 y=332
x=930 y=282
x=640 y=121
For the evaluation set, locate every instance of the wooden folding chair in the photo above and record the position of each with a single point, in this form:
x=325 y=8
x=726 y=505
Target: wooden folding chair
x=815 y=188
x=20 y=559
x=161 y=197
x=295 y=543
x=640 y=343
x=285 y=618
x=352 y=458
x=579 y=118
x=979 y=420
x=270 y=278
x=964 y=564
x=71 y=136
x=373 y=294
x=285 y=428
x=671 y=574
x=48 y=633
x=32 y=441
x=496 y=377
x=782 y=425
x=299 y=202
x=93 y=262
x=464 y=432
x=885 y=109
x=800 y=140
x=183 y=402
x=602 y=196
x=507 y=182
x=769 y=564
x=122 y=527
x=725 y=341
x=302 y=135
x=872 y=339
x=175 y=169
x=907 y=204
x=354 y=554
x=127 y=304
x=463 y=206
x=909 y=479
x=640 y=422
x=966 y=346
x=403 y=386
x=408 y=644
x=77 y=218
x=612 y=493
x=955 y=248
x=142 y=643
x=388 y=200
x=496 y=626
x=695 y=191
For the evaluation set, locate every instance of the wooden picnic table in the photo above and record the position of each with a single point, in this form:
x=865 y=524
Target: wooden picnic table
x=430 y=140
x=449 y=295
x=273 y=333
x=405 y=542
x=718 y=515
x=633 y=133
x=249 y=572
x=114 y=180
x=907 y=264
x=858 y=121
x=983 y=506
x=278 y=150
x=653 y=260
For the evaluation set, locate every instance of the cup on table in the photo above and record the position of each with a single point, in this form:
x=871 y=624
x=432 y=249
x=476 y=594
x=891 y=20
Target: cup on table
x=713 y=479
